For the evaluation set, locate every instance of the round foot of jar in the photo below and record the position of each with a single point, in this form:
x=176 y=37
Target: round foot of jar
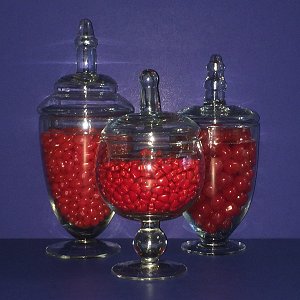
x=83 y=249
x=135 y=270
x=201 y=248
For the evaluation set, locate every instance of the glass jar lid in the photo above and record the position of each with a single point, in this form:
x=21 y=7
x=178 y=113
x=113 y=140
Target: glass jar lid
x=86 y=92
x=215 y=110
x=152 y=125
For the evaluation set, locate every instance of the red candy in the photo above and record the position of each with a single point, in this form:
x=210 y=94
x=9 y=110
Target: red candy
x=158 y=185
x=70 y=158
x=230 y=155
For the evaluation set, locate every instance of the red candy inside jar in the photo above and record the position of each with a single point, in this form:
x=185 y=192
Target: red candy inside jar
x=152 y=184
x=69 y=159
x=230 y=160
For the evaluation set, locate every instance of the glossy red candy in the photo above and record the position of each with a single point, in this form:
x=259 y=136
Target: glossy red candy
x=70 y=158
x=158 y=185
x=230 y=156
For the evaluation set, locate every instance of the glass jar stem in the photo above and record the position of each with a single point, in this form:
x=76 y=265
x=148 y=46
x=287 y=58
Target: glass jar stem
x=150 y=243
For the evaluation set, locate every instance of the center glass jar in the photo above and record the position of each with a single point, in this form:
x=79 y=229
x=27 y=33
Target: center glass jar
x=71 y=121
x=150 y=168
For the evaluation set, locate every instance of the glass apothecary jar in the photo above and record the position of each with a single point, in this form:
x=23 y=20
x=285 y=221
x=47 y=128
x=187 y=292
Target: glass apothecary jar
x=230 y=139
x=150 y=168
x=71 y=121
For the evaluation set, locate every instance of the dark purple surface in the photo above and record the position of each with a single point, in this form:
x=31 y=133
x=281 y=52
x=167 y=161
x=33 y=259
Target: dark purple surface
x=259 y=42
x=266 y=270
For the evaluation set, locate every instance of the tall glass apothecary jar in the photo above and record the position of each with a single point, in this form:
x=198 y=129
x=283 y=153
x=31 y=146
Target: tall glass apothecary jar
x=230 y=138
x=71 y=121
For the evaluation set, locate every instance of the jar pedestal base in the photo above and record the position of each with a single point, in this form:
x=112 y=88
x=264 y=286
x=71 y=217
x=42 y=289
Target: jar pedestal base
x=135 y=270
x=200 y=248
x=83 y=249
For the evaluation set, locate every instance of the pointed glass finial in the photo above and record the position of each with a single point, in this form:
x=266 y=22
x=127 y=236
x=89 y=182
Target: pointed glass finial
x=150 y=100
x=86 y=44
x=215 y=84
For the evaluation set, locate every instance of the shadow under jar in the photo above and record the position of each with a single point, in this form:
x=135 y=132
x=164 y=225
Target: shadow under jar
x=150 y=168
x=71 y=121
x=230 y=137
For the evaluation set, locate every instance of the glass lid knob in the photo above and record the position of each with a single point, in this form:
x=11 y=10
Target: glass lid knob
x=215 y=84
x=150 y=100
x=86 y=44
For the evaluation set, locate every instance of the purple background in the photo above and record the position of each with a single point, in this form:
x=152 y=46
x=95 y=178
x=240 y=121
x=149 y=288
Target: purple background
x=259 y=42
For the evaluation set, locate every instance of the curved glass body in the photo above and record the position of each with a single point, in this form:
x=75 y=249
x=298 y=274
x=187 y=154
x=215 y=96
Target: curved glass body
x=71 y=121
x=69 y=157
x=157 y=183
x=150 y=168
x=230 y=137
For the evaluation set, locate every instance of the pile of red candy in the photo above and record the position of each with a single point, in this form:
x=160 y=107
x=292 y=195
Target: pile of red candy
x=230 y=158
x=70 y=159
x=159 y=185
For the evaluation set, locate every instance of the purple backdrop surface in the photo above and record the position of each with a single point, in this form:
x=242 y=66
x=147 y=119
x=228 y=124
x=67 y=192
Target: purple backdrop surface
x=259 y=42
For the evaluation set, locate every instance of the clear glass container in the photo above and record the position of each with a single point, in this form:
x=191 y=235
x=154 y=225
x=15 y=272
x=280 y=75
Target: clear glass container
x=150 y=168
x=71 y=121
x=230 y=138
